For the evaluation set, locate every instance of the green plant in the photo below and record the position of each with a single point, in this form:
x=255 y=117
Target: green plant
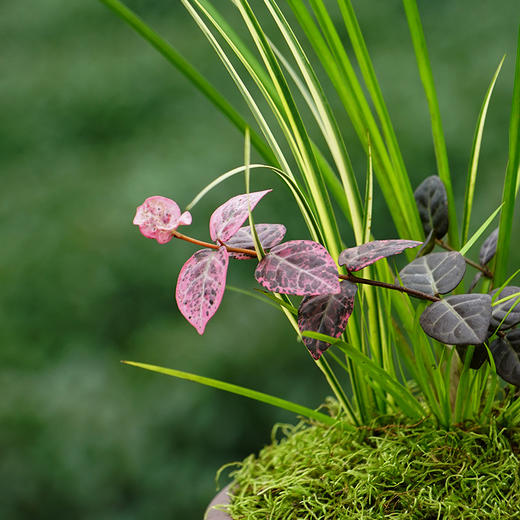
x=390 y=364
x=387 y=469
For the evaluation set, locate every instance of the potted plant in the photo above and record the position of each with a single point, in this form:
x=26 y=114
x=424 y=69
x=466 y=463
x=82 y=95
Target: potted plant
x=421 y=364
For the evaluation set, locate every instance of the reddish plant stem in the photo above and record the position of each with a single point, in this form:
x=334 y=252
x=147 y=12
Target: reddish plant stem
x=485 y=272
x=350 y=277
x=249 y=252
x=412 y=292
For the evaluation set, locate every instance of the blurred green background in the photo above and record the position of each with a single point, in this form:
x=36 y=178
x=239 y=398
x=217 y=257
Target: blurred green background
x=93 y=121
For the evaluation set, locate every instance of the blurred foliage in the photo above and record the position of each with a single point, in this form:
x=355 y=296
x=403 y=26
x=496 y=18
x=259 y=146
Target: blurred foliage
x=94 y=121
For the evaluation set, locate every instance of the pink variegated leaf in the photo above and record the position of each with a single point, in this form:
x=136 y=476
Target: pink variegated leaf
x=227 y=219
x=299 y=267
x=158 y=216
x=269 y=235
x=201 y=285
x=356 y=258
x=326 y=314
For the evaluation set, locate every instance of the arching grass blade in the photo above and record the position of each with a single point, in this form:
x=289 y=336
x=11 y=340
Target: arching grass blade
x=475 y=153
x=467 y=246
x=239 y=390
x=511 y=181
x=425 y=71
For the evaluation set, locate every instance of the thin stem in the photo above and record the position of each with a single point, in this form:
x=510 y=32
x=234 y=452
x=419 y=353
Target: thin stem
x=483 y=270
x=418 y=294
x=249 y=252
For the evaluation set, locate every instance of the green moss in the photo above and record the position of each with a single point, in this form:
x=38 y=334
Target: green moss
x=388 y=470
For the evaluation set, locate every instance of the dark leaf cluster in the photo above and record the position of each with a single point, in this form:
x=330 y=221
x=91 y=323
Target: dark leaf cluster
x=483 y=320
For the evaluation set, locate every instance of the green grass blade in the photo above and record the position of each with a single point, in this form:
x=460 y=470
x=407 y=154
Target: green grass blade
x=325 y=118
x=197 y=79
x=511 y=414
x=263 y=297
x=239 y=390
x=244 y=91
x=369 y=75
x=247 y=162
x=264 y=83
x=386 y=329
x=420 y=363
x=221 y=178
x=240 y=48
x=425 y=71
x=331 y=378
x=289 y=181
x=505 y=283
x=512 y=179
x=369 y=196
x=333 y=183
x=343 y=77
x=506 y=299
x=407 y=402
x=306 y=208
x=475 y=154
x=288 y=118
x=304 y=153
x=494 y=386
x=346 y=194
x=445 y=367
x=478 y=233
x=470 y=405
x=325 y=368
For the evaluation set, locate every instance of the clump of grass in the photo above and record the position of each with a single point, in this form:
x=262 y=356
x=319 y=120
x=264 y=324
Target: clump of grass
x=386 y=470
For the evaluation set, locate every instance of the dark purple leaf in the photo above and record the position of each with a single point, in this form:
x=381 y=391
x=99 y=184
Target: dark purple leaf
x=480 y=355
x=505 y=314
x=513 y=336
x=227 y=219
x=269 y=235
x=432 y=203
x=327 y=314
x=356 y=258
x=428 y=244
x=506 y=360
x=201 y=285
x=461 y=319
x=298 y=267
x=488 y=248
x=436 y=273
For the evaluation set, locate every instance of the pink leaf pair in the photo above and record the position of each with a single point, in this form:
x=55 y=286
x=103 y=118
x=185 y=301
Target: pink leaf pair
x=158 y=216
x=202 y=280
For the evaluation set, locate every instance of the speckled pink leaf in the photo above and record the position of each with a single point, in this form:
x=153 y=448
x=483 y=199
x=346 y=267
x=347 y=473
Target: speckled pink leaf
x=268 y=234
x=201 y=285
x=298 y=267
x=327 y=314
x=158 y=216
x=227 y=219
x=356 y=258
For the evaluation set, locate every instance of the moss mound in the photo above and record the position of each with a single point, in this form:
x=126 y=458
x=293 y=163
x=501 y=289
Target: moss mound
x=387 y=470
